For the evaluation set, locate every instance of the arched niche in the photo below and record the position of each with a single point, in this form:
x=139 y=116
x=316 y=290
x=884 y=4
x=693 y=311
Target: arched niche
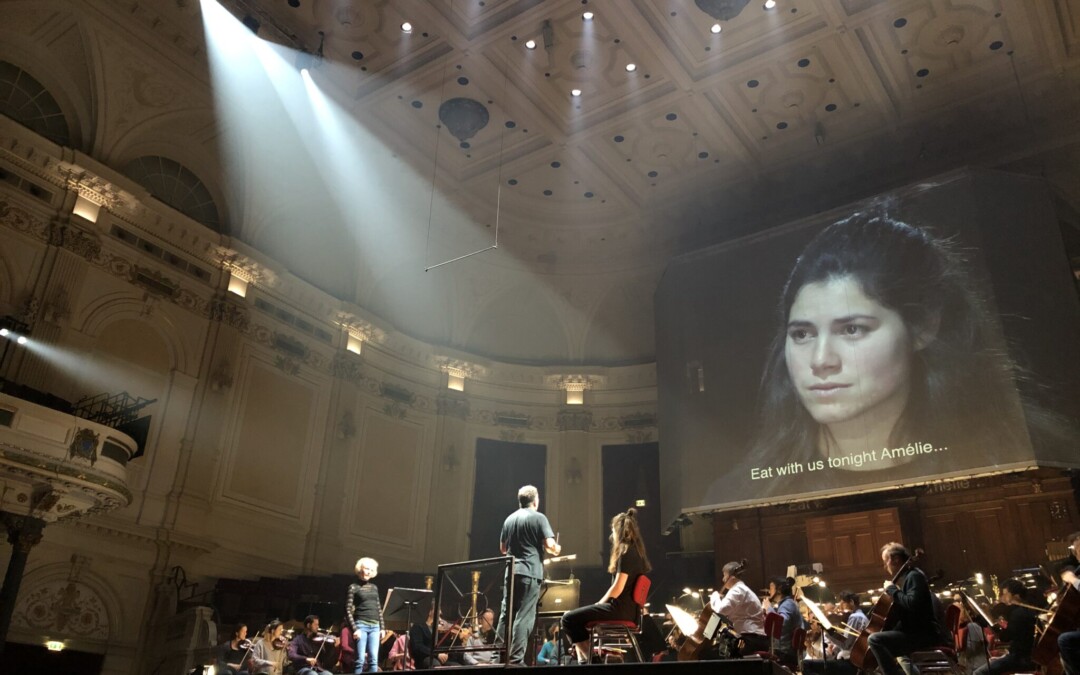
x=64 y=600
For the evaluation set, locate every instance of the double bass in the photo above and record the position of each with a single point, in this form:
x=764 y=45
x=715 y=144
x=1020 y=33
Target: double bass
x=882 y=617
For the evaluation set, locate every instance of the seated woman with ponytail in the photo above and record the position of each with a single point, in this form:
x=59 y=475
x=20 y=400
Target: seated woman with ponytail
x=628 y=561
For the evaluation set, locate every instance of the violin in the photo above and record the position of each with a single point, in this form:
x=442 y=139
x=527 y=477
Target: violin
x=280 y=642
x=454 y=632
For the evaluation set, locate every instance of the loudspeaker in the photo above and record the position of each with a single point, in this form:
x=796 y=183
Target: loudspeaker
x=560 y=596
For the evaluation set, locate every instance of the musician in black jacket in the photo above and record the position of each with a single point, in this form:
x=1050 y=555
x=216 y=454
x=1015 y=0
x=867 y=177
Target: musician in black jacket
x=1069 y=641
x=1019 y=633
x=917 y=628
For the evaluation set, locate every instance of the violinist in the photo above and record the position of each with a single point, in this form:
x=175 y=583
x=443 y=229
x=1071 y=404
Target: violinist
x=268 y=654
x=233 y=653
x=917 y=628
x=1019 y=633
x=308 y=648
x=364 y=615
x=422 y=644
x=840 y=642
x=783 y=599
x=742 y=608
x=970 y=641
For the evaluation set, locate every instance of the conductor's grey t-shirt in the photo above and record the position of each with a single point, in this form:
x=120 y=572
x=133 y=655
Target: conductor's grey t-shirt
x=524 y=533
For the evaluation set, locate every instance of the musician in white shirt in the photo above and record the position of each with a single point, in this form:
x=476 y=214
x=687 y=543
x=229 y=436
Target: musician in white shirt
x=742 y=608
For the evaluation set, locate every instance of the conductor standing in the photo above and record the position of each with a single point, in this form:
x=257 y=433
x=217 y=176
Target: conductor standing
x=525 y=533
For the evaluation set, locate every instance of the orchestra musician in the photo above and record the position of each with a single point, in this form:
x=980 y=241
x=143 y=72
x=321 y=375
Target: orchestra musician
x=627 y=562
x=525 y=534
x=917 y=627
x=781 y=594
x=487 y=626
x=309 y=648
x=1069 y=642
x=364 y=614
x=970 y=641
x=840 y=642
x=1019 y=633
x=422 y=644
x=231 y=654
x=268 y=654
x=549 y=652
x=742 y=608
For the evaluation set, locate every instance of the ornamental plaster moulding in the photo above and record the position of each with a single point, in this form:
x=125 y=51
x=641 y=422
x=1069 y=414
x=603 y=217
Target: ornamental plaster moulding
x=468 y=368
x=246 y=268
x=574 y=381
x=363 y=328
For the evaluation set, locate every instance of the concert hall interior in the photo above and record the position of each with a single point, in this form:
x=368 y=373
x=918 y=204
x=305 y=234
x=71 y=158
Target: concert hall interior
x=289 y=283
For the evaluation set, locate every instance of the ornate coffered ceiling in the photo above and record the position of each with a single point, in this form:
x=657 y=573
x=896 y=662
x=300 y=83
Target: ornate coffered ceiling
x=782 y=113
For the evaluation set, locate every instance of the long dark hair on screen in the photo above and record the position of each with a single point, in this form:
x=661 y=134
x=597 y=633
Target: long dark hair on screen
x=626 y=533
x=960 y=379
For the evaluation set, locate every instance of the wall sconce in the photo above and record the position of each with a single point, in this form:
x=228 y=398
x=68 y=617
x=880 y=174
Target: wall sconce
x=84 y=208
x=573 y=471
x=238 y=285
x=346 y=427
x=355 y=344
x=450 y=461
x=54 y=645
x=455 y=379
x=575 y=396
x=221 y=379
x=574 y=385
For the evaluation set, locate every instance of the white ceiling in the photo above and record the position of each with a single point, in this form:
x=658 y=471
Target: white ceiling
x=784 y=113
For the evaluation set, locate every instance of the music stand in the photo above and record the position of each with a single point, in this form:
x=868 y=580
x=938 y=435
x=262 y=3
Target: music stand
x=400 y=604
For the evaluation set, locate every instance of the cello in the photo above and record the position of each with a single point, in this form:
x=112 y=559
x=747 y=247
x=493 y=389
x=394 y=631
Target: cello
x=882 y=617
x=1066 y=617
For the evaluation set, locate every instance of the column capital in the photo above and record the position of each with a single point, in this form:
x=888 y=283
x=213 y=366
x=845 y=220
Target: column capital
x=24 y=532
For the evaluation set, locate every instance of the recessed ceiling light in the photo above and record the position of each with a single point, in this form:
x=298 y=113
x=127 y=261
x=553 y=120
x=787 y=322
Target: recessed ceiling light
x=769 y=4
x=406 y=27
x=716 y=28
x=530 y=44
x=587 y=16
x=631 y=67
x=575 y=92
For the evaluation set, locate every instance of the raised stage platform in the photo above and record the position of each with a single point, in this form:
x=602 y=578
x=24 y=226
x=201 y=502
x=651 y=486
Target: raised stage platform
x=724 y=667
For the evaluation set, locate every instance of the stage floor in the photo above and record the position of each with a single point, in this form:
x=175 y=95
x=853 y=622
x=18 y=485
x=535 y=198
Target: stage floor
x=724 y=667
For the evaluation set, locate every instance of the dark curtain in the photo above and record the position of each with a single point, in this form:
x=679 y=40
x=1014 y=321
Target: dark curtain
x=501 y=468
x=632 y=473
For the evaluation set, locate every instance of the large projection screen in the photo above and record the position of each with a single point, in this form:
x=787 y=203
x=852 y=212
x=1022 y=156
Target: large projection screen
x=928 y=334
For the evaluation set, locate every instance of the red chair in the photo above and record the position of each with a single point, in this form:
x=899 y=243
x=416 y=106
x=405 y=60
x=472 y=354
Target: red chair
x=774 y=626
x=798 y=643
x=943 y=659
x=611 y=638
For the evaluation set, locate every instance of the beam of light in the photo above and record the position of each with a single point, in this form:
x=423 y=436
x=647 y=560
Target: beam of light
x=308 y=169
x=92 y=373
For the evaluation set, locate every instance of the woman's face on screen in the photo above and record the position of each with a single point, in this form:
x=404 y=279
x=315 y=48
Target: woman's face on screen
x=848 y=356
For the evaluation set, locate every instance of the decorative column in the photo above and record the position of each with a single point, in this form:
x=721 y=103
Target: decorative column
x=24 y=532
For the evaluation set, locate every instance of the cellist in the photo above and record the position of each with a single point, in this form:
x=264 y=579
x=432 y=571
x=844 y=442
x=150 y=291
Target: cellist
x=1069 y=643
x=742 y=607
x=917 y=628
